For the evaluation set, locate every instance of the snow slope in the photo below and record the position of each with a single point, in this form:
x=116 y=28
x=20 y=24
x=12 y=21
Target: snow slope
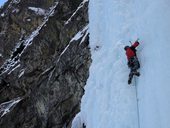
x=109 y=102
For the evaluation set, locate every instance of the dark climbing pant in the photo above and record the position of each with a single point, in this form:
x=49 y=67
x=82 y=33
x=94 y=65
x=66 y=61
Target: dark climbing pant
x=134 y=65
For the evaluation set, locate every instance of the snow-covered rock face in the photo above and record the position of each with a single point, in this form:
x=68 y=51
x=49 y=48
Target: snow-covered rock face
x=38 y=11
x=44 y=62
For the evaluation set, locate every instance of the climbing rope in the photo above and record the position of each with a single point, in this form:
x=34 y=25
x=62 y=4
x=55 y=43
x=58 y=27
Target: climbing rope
x=137 y=105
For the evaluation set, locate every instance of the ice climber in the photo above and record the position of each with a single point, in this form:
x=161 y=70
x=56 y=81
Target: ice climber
x=133 y=62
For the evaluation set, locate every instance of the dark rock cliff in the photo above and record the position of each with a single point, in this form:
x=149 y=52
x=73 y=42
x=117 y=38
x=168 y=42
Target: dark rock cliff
x=44 y=59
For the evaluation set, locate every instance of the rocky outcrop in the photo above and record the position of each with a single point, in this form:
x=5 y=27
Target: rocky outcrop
x=44 y=61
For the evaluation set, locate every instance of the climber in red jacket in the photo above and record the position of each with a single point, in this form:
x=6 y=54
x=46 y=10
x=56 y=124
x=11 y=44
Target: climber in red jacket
x=133 y=62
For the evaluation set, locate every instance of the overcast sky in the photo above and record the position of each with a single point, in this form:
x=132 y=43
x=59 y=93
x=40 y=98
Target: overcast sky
x=2 y=2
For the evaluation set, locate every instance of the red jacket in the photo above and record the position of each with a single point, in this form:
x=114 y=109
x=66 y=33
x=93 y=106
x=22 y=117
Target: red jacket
x=131 y=51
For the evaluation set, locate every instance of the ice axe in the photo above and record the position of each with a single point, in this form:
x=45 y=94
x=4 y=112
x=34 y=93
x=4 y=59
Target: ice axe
x=135 y=41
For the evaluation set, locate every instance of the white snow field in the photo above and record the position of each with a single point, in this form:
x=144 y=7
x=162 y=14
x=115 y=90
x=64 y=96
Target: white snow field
x=109 y=102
